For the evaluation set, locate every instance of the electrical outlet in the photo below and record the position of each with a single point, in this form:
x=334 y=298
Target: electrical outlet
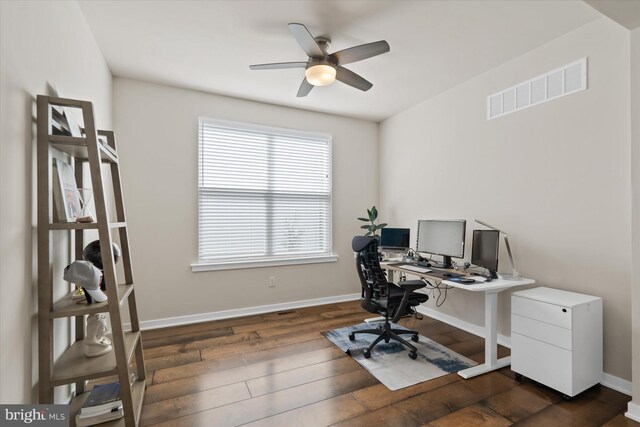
x=272 y=281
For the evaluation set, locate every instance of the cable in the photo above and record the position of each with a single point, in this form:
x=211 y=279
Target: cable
x=438 y=302
x=432 y=288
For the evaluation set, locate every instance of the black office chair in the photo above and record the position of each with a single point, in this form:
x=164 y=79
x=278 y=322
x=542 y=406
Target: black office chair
x=382 y=297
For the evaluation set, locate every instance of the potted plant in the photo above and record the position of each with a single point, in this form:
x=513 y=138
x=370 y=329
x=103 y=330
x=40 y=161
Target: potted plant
x=372 y=228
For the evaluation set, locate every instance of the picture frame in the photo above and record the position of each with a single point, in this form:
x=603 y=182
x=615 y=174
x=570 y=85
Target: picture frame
x=59 y=125
x=64 y=119
x=67 y=206
x=74 y=127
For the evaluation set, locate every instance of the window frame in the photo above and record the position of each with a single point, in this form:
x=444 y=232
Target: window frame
x=294 y=259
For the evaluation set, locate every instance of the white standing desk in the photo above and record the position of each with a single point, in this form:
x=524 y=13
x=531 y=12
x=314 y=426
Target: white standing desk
x=491 y=291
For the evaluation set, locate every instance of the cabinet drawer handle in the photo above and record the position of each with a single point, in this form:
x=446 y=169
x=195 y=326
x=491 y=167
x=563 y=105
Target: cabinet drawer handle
x=564 y=310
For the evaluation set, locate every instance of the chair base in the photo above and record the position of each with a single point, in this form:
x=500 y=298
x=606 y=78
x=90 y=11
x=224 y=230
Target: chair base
x=387 y=333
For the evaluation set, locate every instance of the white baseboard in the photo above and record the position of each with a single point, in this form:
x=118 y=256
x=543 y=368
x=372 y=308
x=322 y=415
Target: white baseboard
x=633 y=411
x=615 y=383
x=249 y=311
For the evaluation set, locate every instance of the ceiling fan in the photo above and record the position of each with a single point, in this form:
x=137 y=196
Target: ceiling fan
x=323 y=68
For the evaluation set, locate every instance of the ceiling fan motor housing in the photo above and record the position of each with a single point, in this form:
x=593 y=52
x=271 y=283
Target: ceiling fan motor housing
x=321 y=61
x=324 y=43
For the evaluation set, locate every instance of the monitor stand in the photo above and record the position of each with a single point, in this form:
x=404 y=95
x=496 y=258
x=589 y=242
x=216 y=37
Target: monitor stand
x=446 y=263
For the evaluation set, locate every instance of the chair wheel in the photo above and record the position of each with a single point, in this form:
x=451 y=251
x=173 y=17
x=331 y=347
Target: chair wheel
x=519 y=377
x=367 y=354
x=413 y=355
x=352 y=336
x=414 y=338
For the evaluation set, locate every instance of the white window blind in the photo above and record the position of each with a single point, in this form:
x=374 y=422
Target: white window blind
x=264 y=193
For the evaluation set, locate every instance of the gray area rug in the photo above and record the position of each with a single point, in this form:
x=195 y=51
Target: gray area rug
x=390 y=362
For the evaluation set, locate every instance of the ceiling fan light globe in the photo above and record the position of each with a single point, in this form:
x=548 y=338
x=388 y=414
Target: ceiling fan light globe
x=320 y=75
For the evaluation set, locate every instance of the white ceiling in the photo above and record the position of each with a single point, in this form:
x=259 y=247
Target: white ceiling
x=435 y=45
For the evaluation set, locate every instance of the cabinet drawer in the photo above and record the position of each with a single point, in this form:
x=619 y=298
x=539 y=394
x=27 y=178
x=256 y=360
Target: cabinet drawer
x=542 y=362
x=552 y=334
x=542 y=311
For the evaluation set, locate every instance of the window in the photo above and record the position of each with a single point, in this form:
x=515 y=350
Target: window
x=264 y=195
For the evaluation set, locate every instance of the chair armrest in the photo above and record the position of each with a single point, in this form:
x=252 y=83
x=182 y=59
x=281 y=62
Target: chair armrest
x=411 y=285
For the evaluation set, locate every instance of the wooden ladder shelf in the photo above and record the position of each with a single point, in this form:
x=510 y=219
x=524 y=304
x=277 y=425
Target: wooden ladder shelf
x=72 y=366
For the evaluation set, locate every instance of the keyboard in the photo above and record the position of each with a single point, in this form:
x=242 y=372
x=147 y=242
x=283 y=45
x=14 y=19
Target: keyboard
x=442 y=274
x=416 y=268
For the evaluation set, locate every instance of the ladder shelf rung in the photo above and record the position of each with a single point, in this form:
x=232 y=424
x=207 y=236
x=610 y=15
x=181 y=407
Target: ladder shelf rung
x=74 y=366
x=77 y=147
x=83 y=225
x=67 y=139
x=68 y=307
x=66 y=102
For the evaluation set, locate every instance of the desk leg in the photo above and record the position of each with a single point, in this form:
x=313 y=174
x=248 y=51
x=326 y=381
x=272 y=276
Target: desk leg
x=491 y=361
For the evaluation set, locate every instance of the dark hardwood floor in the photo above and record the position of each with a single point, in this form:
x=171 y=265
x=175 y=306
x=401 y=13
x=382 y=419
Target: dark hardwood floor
x=278 y=370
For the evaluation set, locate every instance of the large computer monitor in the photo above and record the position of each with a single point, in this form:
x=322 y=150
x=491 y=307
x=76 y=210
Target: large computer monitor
x=394 y=238
x=442 y=237
x=484 y=250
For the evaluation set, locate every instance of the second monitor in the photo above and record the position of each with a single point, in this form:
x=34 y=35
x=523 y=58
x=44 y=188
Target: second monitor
x=442 y=237
x=484 y=250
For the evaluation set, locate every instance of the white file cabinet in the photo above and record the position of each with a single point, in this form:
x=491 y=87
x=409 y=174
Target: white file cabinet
x=556 y=338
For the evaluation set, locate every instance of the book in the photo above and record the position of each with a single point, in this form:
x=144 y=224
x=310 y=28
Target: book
x=102 y=396
x=100 y=409
x=99 y=419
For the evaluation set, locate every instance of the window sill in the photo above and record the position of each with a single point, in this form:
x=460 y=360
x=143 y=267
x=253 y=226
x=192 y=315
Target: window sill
x=233 y=265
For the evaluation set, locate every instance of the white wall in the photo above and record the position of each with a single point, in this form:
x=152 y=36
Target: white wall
x=555 y=176
x=41 y=43
x=635 y=185
x=157 y=133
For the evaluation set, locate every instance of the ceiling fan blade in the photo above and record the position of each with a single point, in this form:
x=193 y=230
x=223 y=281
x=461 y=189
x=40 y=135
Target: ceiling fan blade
x=306 y=40
x=358 y=53
x=305 y=88
x=278 y=65
x=352 y=79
